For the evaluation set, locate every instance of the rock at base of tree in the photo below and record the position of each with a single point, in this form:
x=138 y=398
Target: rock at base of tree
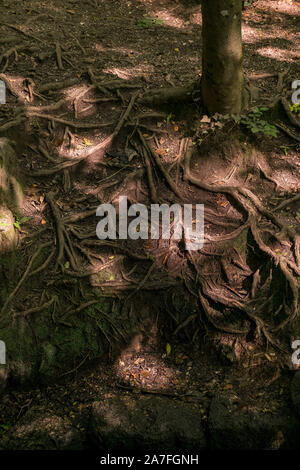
x=8 y=235
x=233 y=428
x=295 y=391
x=146 y=423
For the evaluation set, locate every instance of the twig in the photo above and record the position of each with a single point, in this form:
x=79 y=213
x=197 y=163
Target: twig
x=287 y=131
x=58 y=55
x=75 y=368
x=77 y=125
x=18 y=28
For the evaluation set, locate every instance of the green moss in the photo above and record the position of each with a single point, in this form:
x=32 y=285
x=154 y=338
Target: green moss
x=41 y=329
x=21 y=352
x=39 y=348
x=11 y=263
x=48 y=364
x=240 y=243
x=104 y=275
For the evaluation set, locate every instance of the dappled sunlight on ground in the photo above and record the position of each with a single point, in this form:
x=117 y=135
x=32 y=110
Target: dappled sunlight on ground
x=280 y=54
x=126 y=73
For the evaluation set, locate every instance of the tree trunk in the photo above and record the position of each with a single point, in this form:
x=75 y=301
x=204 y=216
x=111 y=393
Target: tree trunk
x=222 y=70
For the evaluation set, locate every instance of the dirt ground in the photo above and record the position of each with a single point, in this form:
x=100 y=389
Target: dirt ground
x=72 y=69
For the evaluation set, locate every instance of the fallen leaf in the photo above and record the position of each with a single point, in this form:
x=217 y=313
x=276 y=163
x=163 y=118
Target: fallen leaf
x=227 y=387
x=165 y=258
x=205 y=119
x=59 y=203
x=139 y=360
x=162 y=151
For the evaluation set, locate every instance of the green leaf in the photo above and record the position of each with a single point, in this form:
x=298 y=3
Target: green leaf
x=147 y=22
x=24 y=219
x=169 y=117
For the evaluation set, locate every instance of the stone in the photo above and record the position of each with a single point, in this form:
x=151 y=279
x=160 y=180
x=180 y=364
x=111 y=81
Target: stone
x=40 y=430
x=145 y=423
x=232 y=428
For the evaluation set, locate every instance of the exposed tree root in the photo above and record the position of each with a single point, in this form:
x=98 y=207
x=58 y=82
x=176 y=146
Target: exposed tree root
x=287 y=131
x=54 y=86
x=24 y=276
x=161 y=96
x=39 y=308
x=253 y=206
x=287 y=202
x=97 y=148
x=64 y=242
x=79 y=125
x=157 y=160
x=233 y=298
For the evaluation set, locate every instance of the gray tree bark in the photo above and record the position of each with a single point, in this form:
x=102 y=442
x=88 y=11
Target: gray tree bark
x=222 y=63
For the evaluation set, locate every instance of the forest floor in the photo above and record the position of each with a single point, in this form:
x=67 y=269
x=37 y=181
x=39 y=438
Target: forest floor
x=72 y=70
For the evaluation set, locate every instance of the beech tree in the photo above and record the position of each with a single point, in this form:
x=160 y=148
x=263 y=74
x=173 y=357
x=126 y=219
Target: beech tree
x=222 y=83
x=222 y=57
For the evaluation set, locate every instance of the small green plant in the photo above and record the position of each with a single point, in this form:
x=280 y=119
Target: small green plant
x=147 y=22
x=255 y=122
x=169 y=117
x=19 y=221
x=285 y=149
x=4 y=427
x=295 y=108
